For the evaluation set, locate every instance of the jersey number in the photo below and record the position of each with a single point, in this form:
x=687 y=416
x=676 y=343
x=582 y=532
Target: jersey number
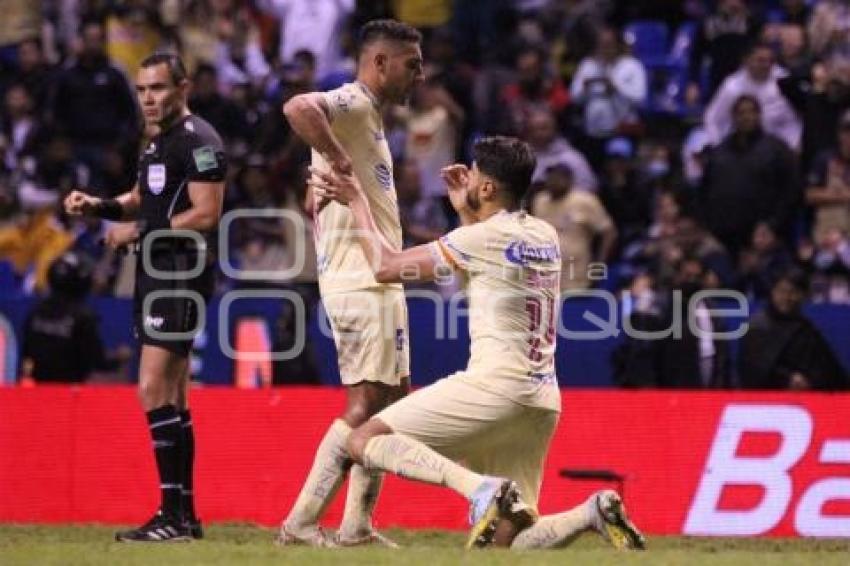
x=534 y=308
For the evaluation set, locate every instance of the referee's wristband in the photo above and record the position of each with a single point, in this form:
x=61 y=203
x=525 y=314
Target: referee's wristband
x=109 y=209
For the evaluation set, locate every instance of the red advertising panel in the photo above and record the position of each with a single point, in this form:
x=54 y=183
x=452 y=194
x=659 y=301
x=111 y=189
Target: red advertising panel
x=694 y=463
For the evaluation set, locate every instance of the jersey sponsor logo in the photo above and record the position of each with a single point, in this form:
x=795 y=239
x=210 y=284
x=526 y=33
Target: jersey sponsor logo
x=521 y=253
x=156 y=177
x=204 y=158
x=384 y=175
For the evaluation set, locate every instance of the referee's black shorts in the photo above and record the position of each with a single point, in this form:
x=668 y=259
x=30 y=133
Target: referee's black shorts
x=166 y=308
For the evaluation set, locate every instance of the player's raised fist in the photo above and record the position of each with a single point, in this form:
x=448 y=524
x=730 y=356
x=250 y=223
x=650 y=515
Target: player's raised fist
x=456 y=176
x=78 y=203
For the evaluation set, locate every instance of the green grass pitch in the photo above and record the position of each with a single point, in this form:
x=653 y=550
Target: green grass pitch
x=248 y=545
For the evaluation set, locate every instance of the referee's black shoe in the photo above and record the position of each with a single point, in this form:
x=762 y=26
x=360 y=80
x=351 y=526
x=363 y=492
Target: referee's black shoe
x=195 y=528
x=160 y=528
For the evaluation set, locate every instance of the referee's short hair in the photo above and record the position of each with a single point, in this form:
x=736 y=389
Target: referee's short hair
x=176 y=69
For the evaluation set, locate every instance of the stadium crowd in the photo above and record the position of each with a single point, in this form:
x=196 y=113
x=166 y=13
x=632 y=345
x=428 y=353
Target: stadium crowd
x=682 y=144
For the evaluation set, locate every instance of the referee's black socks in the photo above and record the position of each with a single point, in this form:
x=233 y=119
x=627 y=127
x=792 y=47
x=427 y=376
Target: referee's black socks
x=167 y=435
x=187 y=458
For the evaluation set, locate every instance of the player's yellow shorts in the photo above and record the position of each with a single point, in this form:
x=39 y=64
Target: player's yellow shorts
x=371 y=335
x=486 y=431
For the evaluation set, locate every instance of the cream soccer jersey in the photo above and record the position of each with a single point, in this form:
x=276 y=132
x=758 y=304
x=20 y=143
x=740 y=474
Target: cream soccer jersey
x=356 y=122
x=513 y=264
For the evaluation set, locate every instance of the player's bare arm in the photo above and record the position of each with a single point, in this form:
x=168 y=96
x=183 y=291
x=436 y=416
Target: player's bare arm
x=388 y=264
x=309 y=116
x=207 y=200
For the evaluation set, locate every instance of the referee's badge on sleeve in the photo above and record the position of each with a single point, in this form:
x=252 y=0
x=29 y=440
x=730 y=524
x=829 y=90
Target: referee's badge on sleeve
x=156 y=177
x=204 y=158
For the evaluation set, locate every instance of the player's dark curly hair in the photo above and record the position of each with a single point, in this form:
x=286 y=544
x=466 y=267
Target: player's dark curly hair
x=387 y=29
x=176 y=68
x=509 y=161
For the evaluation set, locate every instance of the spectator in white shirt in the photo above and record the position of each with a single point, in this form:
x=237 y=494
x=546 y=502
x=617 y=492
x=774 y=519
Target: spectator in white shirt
x=758 y=78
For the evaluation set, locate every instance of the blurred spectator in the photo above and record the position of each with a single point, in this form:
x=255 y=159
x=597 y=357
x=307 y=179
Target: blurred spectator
x=750 y=177
x=534 y=87
x=586 y=232
x=793 y=56
x=259 y=241
x=829 y=28
x=609 y=86
x=207 y=102
x=694 y=149
x=761 y=262
x=314 y=25
x=830 y=268
x=198 y=34
x=423 y=220
x=61 y=338
x=132 y=33
x=21 y=21
x=828 y=183
x=423 y=13
x=551 y=148
x=782 y=349
x=681 y=358
x=433 y=124
x=757 y=78
x=33 y=241
x=22 y=132
x=627 y=200
x=822 y=101
x=239 y=57
x=33 y=72
x=721 y=40
x=93 y=104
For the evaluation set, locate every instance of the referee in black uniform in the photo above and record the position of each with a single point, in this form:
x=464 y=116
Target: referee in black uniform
x=180 y=188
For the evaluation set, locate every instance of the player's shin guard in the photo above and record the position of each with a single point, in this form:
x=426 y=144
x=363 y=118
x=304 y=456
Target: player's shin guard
x=164 y=424
x=323 y=481
x=363 y=488
x=410 y=458
x=554 y=531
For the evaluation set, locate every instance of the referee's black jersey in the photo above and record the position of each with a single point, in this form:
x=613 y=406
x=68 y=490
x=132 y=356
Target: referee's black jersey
x=190 y=150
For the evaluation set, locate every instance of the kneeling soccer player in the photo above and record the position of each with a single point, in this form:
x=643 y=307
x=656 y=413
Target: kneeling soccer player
x=500 y=413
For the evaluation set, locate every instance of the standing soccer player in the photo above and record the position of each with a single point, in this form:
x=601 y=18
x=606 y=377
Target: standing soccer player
x=180 y=187
x=369 y=318
x=499 y=414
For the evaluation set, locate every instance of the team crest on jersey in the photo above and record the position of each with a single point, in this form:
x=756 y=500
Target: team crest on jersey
x=384 y=176
x=156 y=177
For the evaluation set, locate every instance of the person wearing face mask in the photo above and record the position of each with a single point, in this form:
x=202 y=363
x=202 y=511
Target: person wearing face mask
x=783 y=349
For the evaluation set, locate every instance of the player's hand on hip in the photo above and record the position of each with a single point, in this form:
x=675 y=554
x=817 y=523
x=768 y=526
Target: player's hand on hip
x=78 y=203
x=121 y=235
x=334 y=186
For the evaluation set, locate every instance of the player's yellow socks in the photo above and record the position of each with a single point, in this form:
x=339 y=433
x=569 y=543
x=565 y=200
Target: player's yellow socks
x=410 y=458
x=322 y=482
x=363 y=488
x=554 y=530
